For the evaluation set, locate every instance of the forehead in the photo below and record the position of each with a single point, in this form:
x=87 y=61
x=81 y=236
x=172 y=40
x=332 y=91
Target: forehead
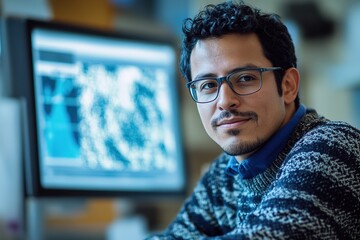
x=221 y=55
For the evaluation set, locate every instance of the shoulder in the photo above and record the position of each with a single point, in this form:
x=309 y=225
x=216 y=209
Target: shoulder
x=217 y=168
x=332 y=134
x=312 y=125
x=331 y=147
x=216 y=178
x=337 y=126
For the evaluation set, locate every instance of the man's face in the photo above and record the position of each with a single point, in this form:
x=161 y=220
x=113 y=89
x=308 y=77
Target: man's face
x=240 y=125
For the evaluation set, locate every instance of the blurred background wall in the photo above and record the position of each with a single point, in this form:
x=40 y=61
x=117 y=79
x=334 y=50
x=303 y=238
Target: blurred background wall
x=327 y=38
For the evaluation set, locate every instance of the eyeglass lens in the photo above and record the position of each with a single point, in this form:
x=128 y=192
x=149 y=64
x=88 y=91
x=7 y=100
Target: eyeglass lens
x=242 y=82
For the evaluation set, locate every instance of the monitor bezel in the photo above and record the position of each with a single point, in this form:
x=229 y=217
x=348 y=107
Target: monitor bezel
x=24 y=88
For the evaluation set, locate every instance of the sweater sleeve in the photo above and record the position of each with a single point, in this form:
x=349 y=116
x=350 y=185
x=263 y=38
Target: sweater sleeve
x=316 y=194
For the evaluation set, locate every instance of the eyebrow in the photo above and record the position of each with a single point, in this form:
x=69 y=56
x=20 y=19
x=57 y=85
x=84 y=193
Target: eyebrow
x=212 y=75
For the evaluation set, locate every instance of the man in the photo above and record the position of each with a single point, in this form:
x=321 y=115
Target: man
x=286 y=173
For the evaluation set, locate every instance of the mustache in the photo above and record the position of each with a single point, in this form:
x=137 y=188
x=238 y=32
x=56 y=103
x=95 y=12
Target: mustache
x=227 y=114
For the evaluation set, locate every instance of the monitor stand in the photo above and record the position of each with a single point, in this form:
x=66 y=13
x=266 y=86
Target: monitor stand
x=34 y=215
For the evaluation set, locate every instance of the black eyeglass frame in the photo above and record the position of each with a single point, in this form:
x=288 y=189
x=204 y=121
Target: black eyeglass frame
x=226 y=78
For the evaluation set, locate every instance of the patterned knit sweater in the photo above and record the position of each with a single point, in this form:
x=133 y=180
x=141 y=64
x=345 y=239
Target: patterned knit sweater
x=311 y=191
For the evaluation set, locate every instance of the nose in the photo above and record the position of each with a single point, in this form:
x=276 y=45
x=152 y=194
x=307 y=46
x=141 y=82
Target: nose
x=227 y=99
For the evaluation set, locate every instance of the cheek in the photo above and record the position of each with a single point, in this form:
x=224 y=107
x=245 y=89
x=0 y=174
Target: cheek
x=269 y=106
x=272 y=113
x=205 y=114
x=269 y=98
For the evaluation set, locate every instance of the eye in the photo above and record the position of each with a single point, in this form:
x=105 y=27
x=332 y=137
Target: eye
x=207 y=85
x=245 y=77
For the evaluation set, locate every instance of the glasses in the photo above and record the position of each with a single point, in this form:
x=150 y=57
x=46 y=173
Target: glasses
x=243 y=81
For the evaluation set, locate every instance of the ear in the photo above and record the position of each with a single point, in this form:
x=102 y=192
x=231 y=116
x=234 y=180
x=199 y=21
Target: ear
x=290 y=85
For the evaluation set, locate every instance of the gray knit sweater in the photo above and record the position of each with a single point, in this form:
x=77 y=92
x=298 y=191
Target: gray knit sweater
x=311 y=191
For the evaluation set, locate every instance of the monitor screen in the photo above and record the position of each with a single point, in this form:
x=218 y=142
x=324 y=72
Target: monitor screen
x=105 y=113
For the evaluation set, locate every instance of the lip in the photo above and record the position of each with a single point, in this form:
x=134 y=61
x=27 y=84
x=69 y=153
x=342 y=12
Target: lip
x=233 y=122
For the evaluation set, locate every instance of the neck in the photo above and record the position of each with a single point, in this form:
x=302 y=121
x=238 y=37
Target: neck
x=289 y=112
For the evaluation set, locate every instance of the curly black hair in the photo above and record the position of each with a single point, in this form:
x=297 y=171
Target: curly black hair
x=237 y=17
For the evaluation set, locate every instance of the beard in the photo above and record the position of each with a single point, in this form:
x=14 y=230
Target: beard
x=241 y=148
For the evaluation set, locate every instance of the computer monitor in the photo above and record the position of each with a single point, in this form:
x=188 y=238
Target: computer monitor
x=101 y=110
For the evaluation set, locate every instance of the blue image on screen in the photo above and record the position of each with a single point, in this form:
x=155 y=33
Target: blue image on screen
x=61 y=116
x=82 y=120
